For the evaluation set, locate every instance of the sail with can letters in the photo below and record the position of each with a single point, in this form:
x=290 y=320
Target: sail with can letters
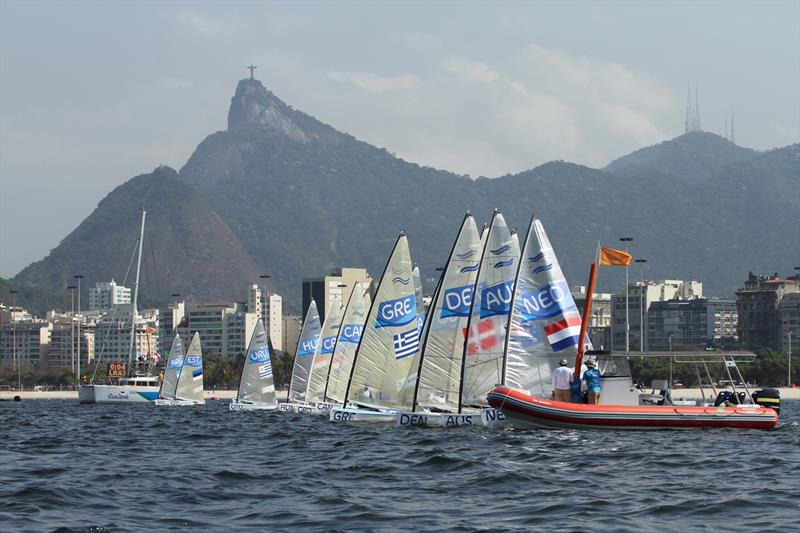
x=545 y=323
x=257 y=384
x=385 y=368
x=190 y=379
x=443 y=342
x=345 y=350
x=172 y=370
x=491 y=304
x=322 y=357
x=304 y=356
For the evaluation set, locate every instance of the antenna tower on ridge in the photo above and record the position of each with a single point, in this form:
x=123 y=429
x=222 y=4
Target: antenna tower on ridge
x=696 y=111
x=688 y=126
x=733 y=137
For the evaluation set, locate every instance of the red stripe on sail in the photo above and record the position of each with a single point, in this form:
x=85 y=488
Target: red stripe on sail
x=562 y=324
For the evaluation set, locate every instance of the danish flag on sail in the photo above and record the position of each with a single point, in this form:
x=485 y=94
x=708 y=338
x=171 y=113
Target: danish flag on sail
x=482 y=335
x=564 y=332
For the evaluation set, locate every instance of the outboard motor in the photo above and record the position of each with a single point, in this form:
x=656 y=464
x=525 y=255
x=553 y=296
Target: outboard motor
x=768 y=398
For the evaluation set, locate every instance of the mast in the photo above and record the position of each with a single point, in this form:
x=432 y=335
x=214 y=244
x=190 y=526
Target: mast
x=136 y=291
x=587 y=309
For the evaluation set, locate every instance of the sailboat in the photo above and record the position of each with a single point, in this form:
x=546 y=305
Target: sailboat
x=384 y=373
x=303 y=359
x=436 y=399
x=172 y=370
x=256 y=384
x=189 y=389
x=344 y=351
x=140 y=385
x=320 y=367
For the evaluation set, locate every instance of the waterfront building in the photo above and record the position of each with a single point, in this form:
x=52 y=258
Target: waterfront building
x=63 y=351
x=789 y=313
x=269 y=307
x=759 y=305
x=641 y=294
x=291 y=332
x=107 y=294
x=31 y=339
x=338 y=283
x=168 y=320
x=599 y=329
x=696 y=324
x=112 y=336
x=225 y=329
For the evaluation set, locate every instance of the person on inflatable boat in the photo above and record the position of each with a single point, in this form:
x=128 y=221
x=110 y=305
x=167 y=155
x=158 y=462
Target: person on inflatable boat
x=592 y=379
x=562 y=377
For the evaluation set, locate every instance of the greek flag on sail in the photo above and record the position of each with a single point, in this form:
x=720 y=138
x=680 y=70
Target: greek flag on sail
x=406 y=343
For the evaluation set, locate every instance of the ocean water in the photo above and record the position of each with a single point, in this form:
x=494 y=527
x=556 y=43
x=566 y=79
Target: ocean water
x=71 y=467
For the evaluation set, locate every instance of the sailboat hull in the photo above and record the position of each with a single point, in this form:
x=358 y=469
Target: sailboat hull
x=320 y=408
x=487 y=417
x=117 y=394
x=177 y=401
x=251 y=406
x=341 y=414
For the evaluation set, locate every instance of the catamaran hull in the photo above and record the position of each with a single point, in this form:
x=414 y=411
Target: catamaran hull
x=528 y=412
x=164 y=402
x=250 y=406
x=116 y=394
x=340 y=414
x=306 y=408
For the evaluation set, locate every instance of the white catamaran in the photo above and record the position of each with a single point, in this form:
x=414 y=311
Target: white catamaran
x=140 y=385
x=189 y=389
x=303 y=359
x=384 y=373
x=345 y=350
x=257 y=385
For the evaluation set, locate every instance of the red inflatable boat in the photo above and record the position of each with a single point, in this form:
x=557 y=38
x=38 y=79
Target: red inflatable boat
x=525 y=411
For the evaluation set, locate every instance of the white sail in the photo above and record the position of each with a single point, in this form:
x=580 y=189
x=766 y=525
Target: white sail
x=418 y=298
x=190 y=380
x=443 y=342
x=257 y=384
x=545 y=323
x=172 y=369
x=491 y=304
x=384 y=372
x=322 y=357
x=304 y=356
x=345 y=350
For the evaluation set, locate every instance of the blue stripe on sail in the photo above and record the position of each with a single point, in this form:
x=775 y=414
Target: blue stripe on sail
x=543 y=268
x=505 y=263
x=536 y=258
x=564 y=343
x=398 y=279
x=467 y=255
x=470 y=268
x=501 y=250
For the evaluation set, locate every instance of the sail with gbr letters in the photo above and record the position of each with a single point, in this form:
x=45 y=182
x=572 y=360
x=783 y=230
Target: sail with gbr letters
x=385 y=368
x=545 y=323
x=322 y=358
x=443 y=342
x=345 y=350
x=304 y=356
x=172 y=370
x=190 y=379
x=491 y=304
x=257 y=384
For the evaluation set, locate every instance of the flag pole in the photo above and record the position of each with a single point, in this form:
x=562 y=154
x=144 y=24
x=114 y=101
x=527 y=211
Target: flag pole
x=587 y=309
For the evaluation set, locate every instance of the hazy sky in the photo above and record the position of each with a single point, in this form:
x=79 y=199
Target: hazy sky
x=94 y=93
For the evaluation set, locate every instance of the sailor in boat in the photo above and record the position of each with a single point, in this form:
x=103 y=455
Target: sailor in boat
x=562 y=378
x=592 y=379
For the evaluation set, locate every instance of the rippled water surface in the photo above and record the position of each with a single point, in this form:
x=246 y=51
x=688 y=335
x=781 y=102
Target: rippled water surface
x=139 y=467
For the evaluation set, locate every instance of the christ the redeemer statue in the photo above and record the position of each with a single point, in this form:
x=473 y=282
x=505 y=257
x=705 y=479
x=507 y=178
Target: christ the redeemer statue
x=252 y=68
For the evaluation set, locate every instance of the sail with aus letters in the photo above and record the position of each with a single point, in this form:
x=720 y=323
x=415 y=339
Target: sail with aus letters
x=304 y=356
x=545 y=323
x=257 y=384
x=322 y=357
x=491 y=304
x=443 y=341
x=190 y=379
x=384 y=372
x=173 y=369
x=345 y=350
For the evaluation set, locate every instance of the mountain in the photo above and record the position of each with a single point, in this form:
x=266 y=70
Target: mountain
x=188 y=248
x=300 y=198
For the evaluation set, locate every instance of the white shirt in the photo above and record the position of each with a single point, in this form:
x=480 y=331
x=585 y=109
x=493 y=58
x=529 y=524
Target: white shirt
x=562 y=377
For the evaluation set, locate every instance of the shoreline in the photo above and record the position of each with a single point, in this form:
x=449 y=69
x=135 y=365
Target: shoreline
x=787 y=393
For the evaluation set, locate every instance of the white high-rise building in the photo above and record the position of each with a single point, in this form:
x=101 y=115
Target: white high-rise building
x=291 y=332
x=225 y=329
x=338 y=284
x=105 y=295
x=113 y=334
x=269 y=307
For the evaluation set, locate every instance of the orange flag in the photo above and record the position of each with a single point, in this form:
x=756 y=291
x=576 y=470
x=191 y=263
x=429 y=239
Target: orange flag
x=612 y=257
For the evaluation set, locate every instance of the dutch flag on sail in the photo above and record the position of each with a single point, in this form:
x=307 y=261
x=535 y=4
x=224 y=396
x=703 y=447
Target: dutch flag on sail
x=564 y=333
x=406 y=343
x=265 y=370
